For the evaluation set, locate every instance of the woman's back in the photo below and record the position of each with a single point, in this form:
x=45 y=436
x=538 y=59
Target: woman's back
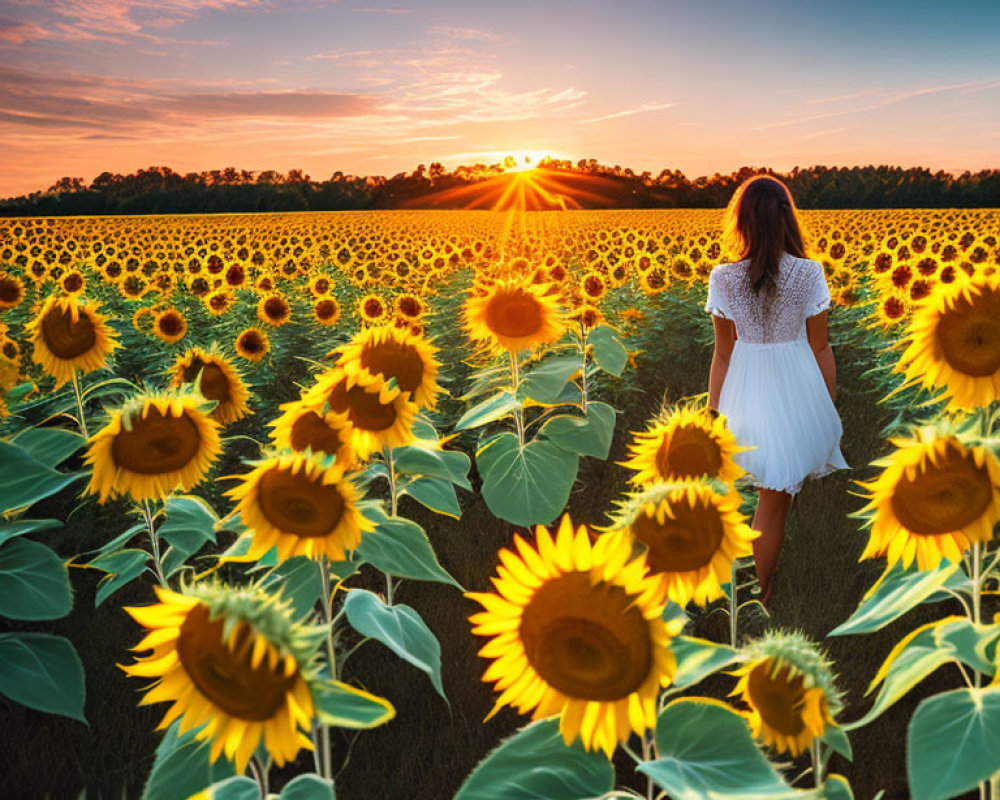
x=772 y=316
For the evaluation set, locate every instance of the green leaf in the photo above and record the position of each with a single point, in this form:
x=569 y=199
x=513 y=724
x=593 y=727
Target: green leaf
x=589 y=435
x=837 y=787
x=437 y=494
x=400 y=547
x=182 y=768
x=526 y=485
x=123 y=567
x=342 y=706
x=699 y=658
x=489 y=410
x=452 y=465
x=121 y=539
x=190 y=523
x=609 y=352
x=706 y=752
x=24 y=480
x=836 y=739
x=895 y=593
x=299 y=578
x=953 y=743
x=34 y=583
x=11 y=530
x=545 y=381
x=535 y=764
x=51 y=446
x=399 y=628
x=308 y=787
x=43 y=672
x=239 y=787
x=975 y=645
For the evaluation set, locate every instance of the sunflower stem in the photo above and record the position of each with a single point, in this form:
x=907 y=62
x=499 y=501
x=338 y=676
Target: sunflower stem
x=391 y=466
x=815 y=751
x=977 y=589
x=81 y=419
x=583 y=371
x=154 y=541
x=324 y=576
x=734 y=608
x=515 y=378
x=647 y=752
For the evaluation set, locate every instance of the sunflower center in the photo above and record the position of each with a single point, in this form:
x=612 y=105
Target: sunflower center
x=588 y=642
x=363 y=408
x=226 y=677
x=10 y=292
x=515 y=313
x=395 y=360
x=214 y=383
x=690 y=452
x=298 y=504
x=157 y=444
x=969 y=334
x=310 y=430
x=777 y=698
x=684 y=543
x=64 y=337
x=943 y=497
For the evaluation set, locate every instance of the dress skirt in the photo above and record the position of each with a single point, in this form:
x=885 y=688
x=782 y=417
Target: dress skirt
x=774 y=397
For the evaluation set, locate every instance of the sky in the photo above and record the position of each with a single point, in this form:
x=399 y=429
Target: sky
x=375 y=88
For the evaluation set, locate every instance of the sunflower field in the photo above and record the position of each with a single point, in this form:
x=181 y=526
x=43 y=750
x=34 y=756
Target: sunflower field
x=424 y=504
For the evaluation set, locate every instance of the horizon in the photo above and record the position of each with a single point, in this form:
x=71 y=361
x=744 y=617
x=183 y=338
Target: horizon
x=367 y=89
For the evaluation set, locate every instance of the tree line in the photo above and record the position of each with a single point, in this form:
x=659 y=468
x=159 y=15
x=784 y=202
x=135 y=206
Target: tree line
x=161 y=190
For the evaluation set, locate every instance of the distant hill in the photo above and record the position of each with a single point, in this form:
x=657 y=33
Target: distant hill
x=552 y=184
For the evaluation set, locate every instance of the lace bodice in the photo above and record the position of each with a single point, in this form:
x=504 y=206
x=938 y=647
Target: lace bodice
x=775 y=316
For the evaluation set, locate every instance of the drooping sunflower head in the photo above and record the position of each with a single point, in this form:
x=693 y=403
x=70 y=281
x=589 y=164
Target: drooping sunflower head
x=373 y=424
x=682 y=443
x=690 y=532
x=304 y=426
x=233 y=659
x=69 y=335
x=953 y=343
x=938 y=493
x=392 y=353
x=302 y=504
x=153 y=444
x=252 y=344
x=576 y=629
x=514 y=315
x=790 y=689
x=217 y=379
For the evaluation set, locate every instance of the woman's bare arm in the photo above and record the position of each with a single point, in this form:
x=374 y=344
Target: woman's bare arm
x=817 y=331
x=725 y=338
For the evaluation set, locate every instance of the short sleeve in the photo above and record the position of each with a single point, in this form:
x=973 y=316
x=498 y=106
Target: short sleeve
x=820 y=300
x=717 y=303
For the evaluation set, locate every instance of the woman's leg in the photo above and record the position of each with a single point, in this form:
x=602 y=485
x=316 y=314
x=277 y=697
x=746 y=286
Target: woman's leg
x=769 y=519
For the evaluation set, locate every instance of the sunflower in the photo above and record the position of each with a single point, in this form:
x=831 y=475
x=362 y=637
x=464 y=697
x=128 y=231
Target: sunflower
x=320 y=285
x=686 y=442
x=153 y=444
x=326 y=311
x=72 y=283
x=219 y=381
x=576 y=630
x=373 y=424
x=789 y=688
x=953 y=343
x=231 y=659
x=373 y=309
x=654 y=280
x=409 y=306
x=11 y=290
x=691 y=533
x=594 y=286
x=218 y=302
x=303 y=426
x=274 y=309
x=514 y=315
x=252 y=344
x=301 y=504
x=387 y=352
x=68 y=335
x=169 y=325
x=938 y=493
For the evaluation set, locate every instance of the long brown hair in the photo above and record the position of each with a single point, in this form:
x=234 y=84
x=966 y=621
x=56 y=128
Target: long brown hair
x=761 y=221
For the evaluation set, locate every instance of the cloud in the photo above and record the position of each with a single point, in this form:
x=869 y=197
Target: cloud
x=383 y=10
x=273 y=104
x=18 y=31
x=463 y=33
x=641 y=109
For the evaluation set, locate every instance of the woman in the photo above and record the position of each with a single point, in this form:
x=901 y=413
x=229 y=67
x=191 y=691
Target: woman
x=773 y=375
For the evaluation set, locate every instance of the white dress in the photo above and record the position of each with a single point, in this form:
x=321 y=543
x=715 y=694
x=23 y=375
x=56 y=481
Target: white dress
x=774 y=396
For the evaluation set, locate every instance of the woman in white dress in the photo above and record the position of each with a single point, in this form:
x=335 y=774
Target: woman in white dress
x=773 y=375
